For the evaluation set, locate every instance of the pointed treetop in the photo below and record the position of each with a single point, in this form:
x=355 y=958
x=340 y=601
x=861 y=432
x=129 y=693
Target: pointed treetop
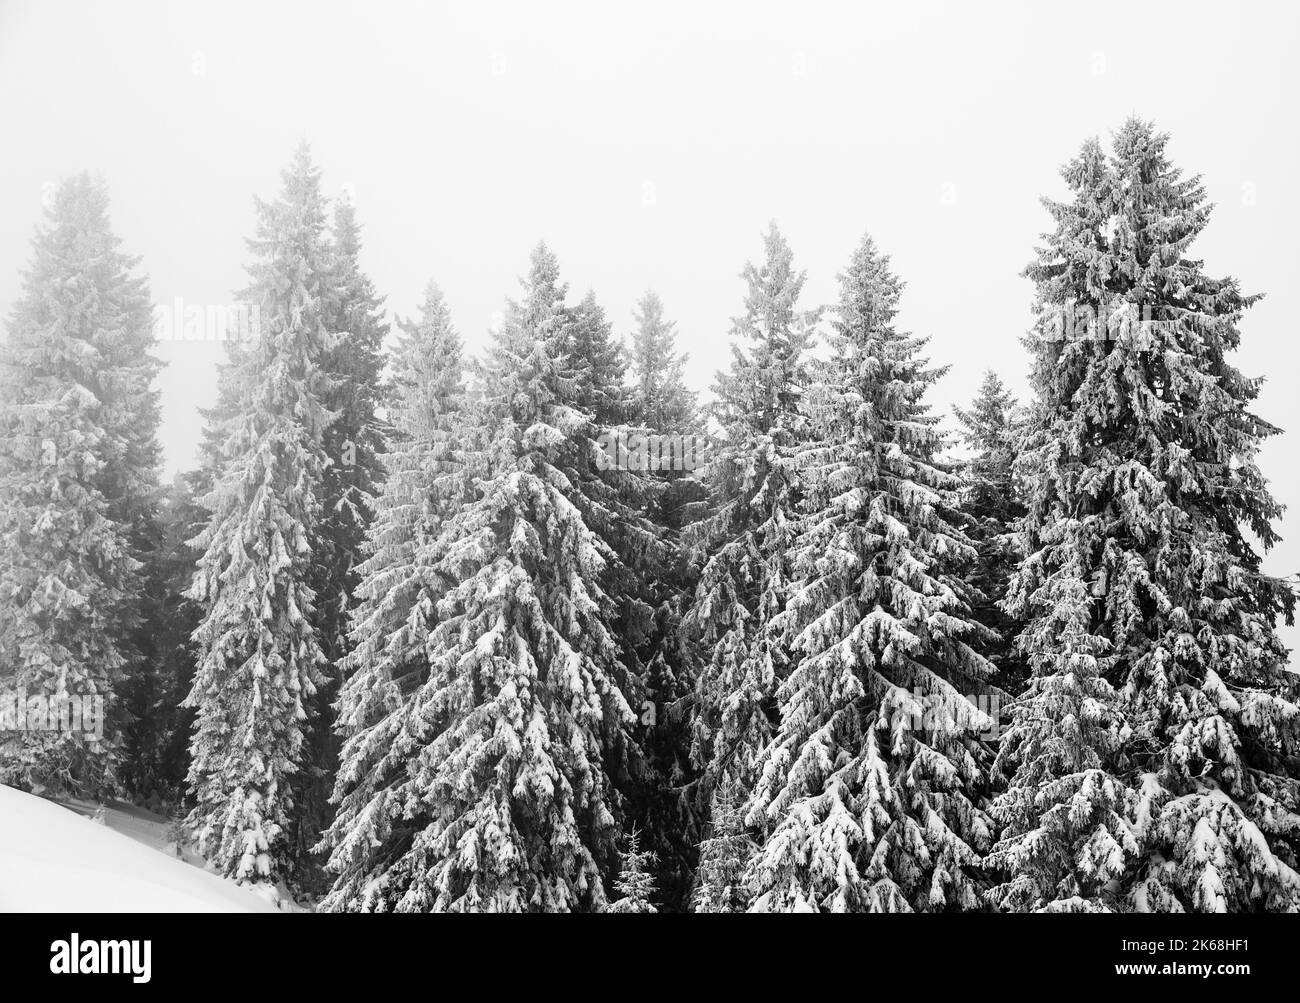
x=869 y=290
x=347 y=229
x=434 y=300
x=543 y=266
x=774 y=286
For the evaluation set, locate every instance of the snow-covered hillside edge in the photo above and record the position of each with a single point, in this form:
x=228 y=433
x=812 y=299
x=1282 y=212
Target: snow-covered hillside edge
x=54 y=860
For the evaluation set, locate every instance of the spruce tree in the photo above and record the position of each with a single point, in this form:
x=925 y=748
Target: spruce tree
x=869 y=793
x=523 y=717
x=611 y=498
x=1066 y=841
x=353 y=441
x=597 y=359
x=427 y=479
x=155 y=754
x=721 y=879
x=618 y=496
x=661 y=399
x=662 y=405
x=991 y=504
x=1142 y=487
x=662 y=409
x=259 y=649
x=635 y=883
x=78 y=483
x=351 y=477
x=751 y=481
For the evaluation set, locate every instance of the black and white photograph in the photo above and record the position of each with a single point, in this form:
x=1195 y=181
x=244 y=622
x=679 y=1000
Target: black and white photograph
x=677 y=458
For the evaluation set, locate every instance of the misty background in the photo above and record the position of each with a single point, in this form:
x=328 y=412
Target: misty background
x=650 y=151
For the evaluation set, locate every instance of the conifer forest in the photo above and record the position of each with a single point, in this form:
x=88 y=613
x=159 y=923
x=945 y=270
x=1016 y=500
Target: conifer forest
x=529 y=617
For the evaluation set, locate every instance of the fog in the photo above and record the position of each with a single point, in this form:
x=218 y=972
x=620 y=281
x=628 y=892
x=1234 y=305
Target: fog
x=650 y=152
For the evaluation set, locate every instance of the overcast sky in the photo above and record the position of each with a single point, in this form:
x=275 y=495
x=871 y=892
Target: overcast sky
x=650 y=149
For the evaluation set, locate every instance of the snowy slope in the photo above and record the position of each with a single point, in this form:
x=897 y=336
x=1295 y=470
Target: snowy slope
x=53 y=860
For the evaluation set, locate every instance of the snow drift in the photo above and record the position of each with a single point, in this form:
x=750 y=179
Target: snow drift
x=53 y=860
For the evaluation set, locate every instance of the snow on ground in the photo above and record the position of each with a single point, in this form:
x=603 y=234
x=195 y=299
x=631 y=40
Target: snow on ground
x=138 y=823
x=54 y=860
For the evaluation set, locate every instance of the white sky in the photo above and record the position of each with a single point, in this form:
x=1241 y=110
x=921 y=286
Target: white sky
x=649 y=145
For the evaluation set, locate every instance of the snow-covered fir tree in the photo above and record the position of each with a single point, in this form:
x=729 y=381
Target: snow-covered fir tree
x=663 y=410
x=1142 y=487
x=523 y=716
x=353 y=444
x=661 y=398
x=78 y=486
x=427 y=480
x=133 y=456
x=868 y=795
x=635 y=884
x=159 y=756
x=664 y=406
x=259 y=651
x=721 y=878
x=611 y=497
x=617 y=494
x=353 y=441
x=156 y=730
x=989 y=430
x=746 y=535
x=597 y=358
x=1066 y=841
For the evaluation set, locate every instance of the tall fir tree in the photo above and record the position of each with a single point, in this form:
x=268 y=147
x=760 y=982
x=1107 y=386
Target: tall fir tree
x=354 y=440
x=155 y=753
x=1180 y=792
x=751 y=479
x=989 y=430
x=78 y=489
x=260 y=653
x=869 y=794
x=524 y=716
x=611 y=496
x=635 y=884
x=722 y=877
x=626 y=489
x=160 y=758
x=663 y=410
x=428 y=461
x=599 y=364
x=351 y=478
x=1066 y=841
x=661 y=398
x=663 y=405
